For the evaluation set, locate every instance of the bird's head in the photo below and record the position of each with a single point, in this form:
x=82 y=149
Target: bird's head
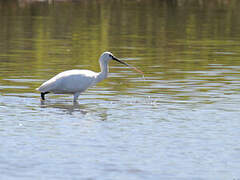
x=107 y=56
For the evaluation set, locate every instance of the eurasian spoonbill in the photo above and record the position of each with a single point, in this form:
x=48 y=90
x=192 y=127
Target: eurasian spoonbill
x=76 y=81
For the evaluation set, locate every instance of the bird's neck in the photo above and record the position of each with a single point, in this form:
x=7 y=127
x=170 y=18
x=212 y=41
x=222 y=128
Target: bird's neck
x=104 y=71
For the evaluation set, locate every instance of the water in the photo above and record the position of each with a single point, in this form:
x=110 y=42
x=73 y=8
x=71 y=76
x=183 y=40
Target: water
x=180 y=122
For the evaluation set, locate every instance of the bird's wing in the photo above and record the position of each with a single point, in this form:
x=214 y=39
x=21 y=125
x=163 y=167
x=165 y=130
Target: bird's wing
x=48 y=85
x=69 y=82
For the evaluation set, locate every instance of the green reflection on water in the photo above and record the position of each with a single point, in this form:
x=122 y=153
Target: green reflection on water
x=180 y=45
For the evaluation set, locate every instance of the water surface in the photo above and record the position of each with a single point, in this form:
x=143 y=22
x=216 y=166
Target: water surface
x=180 y=122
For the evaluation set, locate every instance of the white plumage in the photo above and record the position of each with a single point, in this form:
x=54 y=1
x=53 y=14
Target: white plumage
x=76 y=81
x=70 y=81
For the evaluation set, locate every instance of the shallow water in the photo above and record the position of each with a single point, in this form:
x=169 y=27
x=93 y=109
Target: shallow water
x=180 y=122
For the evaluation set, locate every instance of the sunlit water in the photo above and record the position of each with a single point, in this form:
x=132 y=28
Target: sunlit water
x=179 y=122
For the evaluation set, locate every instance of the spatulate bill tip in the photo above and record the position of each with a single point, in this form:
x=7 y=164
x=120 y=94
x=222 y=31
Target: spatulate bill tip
x=139 y=71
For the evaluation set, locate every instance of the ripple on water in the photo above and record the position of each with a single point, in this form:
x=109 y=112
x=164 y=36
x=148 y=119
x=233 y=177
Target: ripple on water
x=14 y=87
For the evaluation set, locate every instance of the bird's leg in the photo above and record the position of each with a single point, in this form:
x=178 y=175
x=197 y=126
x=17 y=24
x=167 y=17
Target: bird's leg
x=76 y=96
x=43 y=95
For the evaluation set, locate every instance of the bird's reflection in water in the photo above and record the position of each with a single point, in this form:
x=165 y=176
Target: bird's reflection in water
x=72 y=107
x=67 y=107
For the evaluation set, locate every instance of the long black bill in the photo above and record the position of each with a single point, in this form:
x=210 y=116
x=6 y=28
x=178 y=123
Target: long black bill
x=126 y=64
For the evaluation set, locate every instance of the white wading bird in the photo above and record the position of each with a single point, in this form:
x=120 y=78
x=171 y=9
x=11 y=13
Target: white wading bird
x=76 y=81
